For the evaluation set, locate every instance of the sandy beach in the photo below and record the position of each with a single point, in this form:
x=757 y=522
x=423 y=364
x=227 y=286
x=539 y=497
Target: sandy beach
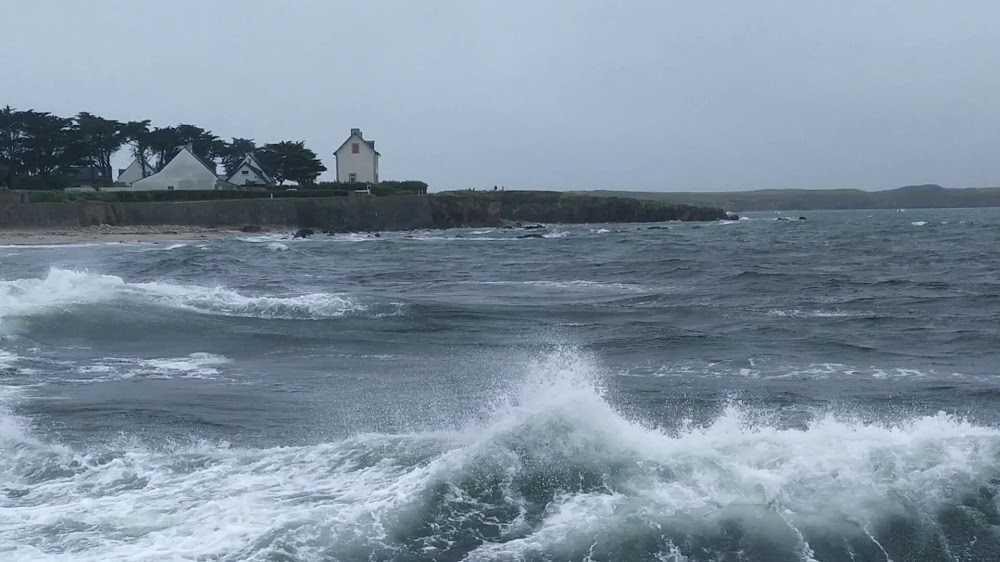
x=112 y=234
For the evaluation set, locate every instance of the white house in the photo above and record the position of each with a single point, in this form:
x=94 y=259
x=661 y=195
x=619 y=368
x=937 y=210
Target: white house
x=251 y=173
x=357 y=160
x=134 y=173
x=185 y=171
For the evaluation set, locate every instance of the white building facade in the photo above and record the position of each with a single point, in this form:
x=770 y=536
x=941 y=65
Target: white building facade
x=357 y=160
x=251 y=173
x=185 y=172
x=134 y=173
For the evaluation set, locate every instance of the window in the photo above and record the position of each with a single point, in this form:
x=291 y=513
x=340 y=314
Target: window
x=170 y=188
x=356 y=148
x=246 y=172
x=352 y=178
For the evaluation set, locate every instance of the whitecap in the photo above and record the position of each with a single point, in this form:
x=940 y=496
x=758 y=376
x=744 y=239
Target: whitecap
x=63 y=288
x=553 y=444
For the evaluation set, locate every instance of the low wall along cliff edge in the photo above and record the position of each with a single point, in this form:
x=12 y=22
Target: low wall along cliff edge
x=448 y=210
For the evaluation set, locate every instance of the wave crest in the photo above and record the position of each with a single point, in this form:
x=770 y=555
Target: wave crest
x=556 y=472
x=63 y=288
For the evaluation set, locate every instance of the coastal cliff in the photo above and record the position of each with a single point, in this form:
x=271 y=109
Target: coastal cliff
x=361 y=213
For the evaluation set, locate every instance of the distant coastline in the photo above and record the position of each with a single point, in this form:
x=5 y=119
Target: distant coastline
x=909 y=197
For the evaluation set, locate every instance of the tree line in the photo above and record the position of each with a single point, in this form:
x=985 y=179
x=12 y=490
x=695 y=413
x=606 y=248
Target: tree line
x=39 y=150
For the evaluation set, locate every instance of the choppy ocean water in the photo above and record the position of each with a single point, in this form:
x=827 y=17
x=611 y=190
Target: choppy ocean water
x=754 y=390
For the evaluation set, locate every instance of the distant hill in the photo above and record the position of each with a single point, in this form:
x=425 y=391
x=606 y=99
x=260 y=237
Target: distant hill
x=909 y=197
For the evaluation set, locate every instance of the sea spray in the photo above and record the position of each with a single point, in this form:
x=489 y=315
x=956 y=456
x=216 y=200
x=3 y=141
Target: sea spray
x=556 y=472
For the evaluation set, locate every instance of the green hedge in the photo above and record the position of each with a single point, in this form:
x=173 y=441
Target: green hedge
x=168 y=196
x=408 y=187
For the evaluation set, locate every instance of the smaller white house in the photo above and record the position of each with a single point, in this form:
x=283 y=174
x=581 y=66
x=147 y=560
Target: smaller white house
x=185 y=172
x=135 y=172
x=357 y=160
x=251 y=173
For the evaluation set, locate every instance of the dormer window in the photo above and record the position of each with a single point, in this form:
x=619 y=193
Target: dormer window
x=355 y=148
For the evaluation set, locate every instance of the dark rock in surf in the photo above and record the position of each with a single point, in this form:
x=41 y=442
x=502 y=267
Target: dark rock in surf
x=532 y=235
x=251 y=228
x=304 y=233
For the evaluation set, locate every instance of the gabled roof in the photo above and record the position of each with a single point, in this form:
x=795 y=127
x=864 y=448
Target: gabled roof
x=135 y=163
x=208 y=166
x=371 y=144
x=212 y=166
x=250 y=161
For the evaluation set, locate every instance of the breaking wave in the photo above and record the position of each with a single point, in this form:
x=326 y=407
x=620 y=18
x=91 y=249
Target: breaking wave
x=553 y=472
x=63 y=288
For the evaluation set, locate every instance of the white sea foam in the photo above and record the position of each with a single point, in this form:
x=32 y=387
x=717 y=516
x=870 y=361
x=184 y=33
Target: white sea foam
x=577 y=284
x=808 y=371
x=194 y=366
x=265 y=238
x=277 y=247
x=794 y=313
x=551 y=434
x=7 y=360
x=919 y=223
x=63 y=288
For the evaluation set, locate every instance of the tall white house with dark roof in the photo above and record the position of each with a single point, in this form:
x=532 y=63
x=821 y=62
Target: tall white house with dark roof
x=251 y=173
x=357 y=160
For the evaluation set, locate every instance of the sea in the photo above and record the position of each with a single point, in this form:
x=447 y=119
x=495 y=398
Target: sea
x=767 y=389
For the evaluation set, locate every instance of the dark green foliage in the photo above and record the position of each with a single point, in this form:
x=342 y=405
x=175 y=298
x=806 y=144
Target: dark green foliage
x=137 y=135
x=234 y=152
x=11 y=147
x=99 y=139
x=164 y=143
x=382 y=189
x=41 y=183
x=47 y=144
x=203 y=143
x=42 y=151
x=291 y=161
x=180 y=195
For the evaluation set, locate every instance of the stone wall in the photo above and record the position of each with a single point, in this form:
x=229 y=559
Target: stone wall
x=343 y=214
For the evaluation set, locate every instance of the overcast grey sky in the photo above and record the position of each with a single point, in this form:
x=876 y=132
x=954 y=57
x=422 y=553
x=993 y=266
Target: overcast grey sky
x=565 y=94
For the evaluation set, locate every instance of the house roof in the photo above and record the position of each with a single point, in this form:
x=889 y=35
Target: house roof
x=251 y=162
x=208 y=166
x=371 y=144
x=211 y=166
x=135 y=162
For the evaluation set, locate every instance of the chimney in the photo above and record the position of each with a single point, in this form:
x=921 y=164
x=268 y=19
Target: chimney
x=356 y=132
